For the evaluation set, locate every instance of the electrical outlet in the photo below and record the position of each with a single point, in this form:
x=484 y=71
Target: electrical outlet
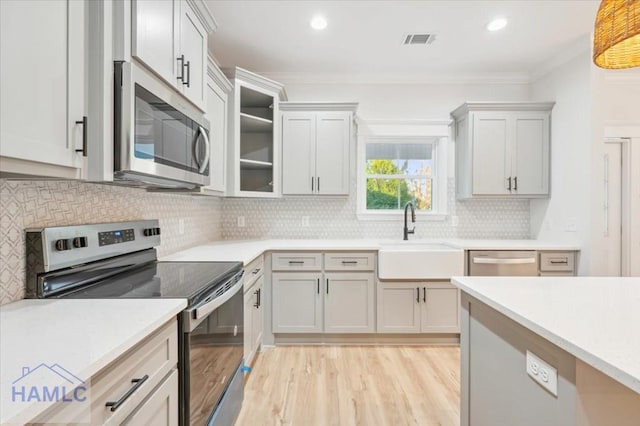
x=181 y=226
x=240 y=221
x=305 y=220
x=543 y=373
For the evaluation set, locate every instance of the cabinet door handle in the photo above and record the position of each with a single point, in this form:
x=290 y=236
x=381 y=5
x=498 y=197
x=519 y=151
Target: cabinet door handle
x=327 y=285
x=515 y=183
x=318 y=285
x=257 y=304
x=509 y=179
x=559 y=262
x=418 y=294
x=84 y=136
x=187 y=65
x=138 y=382
x=312 y=179
x=181 y=68
x=318 y=183
x=424 y=294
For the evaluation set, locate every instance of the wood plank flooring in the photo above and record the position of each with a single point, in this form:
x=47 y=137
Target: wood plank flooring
x=354 y=385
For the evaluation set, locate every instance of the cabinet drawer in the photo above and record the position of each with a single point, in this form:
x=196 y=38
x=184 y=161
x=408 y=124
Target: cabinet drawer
x=557 y=261
x=296 y=261
x=155 y=357
x=349 y=261
x=253 y=271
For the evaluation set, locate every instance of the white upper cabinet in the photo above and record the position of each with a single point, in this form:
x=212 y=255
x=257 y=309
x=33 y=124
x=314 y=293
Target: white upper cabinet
x=42 y=85
x=155 y=35
x=316 y=143
x=218 y=88
x=170 y=37
x=502 y=149
x=253 y=157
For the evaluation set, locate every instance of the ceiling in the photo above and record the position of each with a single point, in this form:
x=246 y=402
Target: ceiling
x=365 y=37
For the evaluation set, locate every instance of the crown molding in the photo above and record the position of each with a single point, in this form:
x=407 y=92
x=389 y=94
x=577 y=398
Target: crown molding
x=318 y=106
x=501 y=106
x=204 y=15
x=398 y=78
x=217 y=75
x=258 y=80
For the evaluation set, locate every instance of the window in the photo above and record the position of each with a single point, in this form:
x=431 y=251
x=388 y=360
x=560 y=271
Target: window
x=402 y=162
x=397 y=173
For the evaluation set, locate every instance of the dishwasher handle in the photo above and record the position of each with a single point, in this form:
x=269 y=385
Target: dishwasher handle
x=497 y=261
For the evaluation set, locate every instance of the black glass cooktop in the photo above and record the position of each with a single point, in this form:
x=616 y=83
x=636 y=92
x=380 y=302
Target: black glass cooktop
x=189 y=280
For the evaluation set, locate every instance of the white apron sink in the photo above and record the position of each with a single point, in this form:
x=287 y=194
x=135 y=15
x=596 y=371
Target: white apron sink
x=416 y=261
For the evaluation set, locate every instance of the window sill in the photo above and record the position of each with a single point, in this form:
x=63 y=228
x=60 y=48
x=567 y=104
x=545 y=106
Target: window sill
x=396 y=216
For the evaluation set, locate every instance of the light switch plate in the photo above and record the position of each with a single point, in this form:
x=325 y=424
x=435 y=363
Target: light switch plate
x=542 y=372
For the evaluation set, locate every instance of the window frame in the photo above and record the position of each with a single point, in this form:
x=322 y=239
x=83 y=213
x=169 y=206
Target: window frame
x=418 y=131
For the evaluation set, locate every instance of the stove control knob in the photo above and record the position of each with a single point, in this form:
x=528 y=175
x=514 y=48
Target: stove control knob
x=151 y=231
x=62 y=245
x=79 y=242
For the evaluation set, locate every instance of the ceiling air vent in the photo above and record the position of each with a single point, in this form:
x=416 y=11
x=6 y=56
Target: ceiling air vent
x=423 y=38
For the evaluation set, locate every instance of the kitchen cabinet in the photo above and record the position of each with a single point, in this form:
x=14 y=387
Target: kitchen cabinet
x=218 y=89
x=349 y=302
x=170 y=38
x=337 y=298
x=253 y=309
x=253 y=157
x=502 y=149
x=297 y=302
x=316 y=144
x=145 y=379
x=42 y=81
x=418 y=307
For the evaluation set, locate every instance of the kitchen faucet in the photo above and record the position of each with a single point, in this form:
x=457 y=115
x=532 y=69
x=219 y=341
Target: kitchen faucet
x=408 y=231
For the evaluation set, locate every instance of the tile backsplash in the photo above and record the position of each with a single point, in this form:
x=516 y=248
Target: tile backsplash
x=27 y=204
x=333 y=217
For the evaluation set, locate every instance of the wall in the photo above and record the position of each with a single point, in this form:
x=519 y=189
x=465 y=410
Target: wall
x=566 y=216
x=27 y=204
x=336 y=217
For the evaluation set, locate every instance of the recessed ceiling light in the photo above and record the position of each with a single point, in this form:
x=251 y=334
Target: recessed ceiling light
x=318 y=23
x=497 y=24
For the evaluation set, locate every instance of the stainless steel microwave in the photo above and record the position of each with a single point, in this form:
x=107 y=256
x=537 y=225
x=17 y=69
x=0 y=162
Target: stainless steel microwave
x=160 y=140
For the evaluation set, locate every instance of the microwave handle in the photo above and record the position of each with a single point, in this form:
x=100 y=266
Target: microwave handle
x=207 y=150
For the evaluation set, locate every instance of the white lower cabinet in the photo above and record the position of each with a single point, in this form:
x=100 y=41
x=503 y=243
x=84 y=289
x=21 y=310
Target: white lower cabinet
x=253 y=320
x=139 y=388
x=349 y=303
x=297 y=302
x=418 y=307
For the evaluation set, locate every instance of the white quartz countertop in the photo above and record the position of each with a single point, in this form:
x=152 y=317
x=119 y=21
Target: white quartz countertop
x=81 y=336
x=596 y=319
x=247 y=250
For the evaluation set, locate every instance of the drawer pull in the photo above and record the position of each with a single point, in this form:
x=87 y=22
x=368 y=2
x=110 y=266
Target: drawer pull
x=349 y=262
x=559 y=262
x=138 y=382
x=255 y=271
x=296 y=262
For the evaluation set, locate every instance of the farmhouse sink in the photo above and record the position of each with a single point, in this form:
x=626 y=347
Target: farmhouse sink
x=414 y=260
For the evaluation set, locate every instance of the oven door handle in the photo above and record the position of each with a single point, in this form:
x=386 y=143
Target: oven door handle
x=198 y=313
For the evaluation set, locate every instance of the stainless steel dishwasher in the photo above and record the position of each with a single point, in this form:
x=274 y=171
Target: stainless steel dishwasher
x=503 y=263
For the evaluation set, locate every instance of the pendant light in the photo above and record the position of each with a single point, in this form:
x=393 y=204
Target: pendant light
x=616 y=41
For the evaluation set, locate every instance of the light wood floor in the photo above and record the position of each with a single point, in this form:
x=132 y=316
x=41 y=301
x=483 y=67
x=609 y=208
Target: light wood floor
x=354 y=385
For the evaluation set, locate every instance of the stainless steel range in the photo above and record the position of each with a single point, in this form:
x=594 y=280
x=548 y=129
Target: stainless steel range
x=118 y=260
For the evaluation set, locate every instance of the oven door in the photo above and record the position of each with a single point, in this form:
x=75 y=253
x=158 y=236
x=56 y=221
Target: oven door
x=212 y=355
x=158 y=135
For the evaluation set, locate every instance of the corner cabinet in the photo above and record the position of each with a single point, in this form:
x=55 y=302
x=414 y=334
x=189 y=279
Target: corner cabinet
x=170 y=38
x=316 y=145
x=502 y=149
x=42 y=81
x=253 y=157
